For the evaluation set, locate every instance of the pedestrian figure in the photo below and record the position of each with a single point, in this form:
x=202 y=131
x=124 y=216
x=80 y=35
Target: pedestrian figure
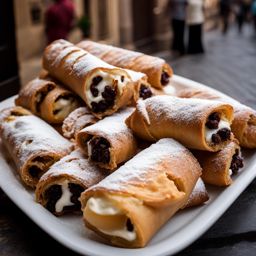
x=195 y=20
x=59 y=19
x=178 y=15
x=242 y=11
x=225 y=9
x=253 y=10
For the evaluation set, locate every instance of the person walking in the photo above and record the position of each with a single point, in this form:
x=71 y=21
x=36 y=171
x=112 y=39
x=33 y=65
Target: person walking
x=253 y=10
x=178 y=14
x=59 y=19
x=195 y=20
x=225 y=9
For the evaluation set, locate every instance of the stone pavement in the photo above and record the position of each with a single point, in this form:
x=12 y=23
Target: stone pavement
x=229 y=65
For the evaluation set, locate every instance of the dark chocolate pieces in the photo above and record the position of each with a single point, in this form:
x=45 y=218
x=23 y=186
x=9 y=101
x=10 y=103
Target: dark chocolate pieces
x=213 y=121
x=237 y=162
x=129 y=225
x=54 y=192
x=145 y=92
x=164 y=78
x=100 y=150
x=95 y=81
x=109 y=95
x=223 y=134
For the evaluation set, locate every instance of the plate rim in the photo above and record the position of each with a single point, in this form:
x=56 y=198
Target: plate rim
x=181 y=237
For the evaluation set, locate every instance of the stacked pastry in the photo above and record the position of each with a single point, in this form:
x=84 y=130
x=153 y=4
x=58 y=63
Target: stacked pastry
x=126 y=153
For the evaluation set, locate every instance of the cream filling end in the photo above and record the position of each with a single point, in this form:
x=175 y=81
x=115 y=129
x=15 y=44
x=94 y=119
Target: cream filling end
x=210 y=132
x=107 y=218
x=65 y=199
x=107 y=79
x=64 y=107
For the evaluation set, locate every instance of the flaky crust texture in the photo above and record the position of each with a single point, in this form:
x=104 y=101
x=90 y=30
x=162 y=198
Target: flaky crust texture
x=198 y=196
x=182 y=119
x=76 y=121
x=123 y=144
x=73 y=168
x=151 y=66
x=74 y=67
x=154 y=184
x=31 y=142
x=47 y=106
x=216 y=165
x=29 y=95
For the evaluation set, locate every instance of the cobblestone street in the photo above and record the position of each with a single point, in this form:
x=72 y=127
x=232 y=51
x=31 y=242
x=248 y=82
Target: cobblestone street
x=229 y=64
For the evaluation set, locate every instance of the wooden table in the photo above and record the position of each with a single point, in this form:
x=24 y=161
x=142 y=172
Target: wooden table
x=230 y=66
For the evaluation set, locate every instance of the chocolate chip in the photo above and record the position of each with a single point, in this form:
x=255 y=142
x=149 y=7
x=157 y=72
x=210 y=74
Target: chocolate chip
x=129 y=225
x=76 y=191
x=52 y=194
x=145 y=92
x=99 y=107
x=100 y=150
x=165 y=78
x=109 y=93
x=216 y=138
x=236 y=163
x=224 y=133
x=213 y=121
x=94 y=90
x=122 y=78
x=96 y=80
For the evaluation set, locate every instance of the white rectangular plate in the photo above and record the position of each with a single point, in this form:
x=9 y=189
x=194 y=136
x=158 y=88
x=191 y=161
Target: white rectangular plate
x=183 y=229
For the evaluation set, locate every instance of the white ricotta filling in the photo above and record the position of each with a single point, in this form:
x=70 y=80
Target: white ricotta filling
x=210 y=132
x=107 y=79
x=104 y=207
x=89 y=149
x=65 y=107
x=65 y=199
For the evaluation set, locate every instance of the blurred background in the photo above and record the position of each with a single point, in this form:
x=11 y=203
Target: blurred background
x=172 y=29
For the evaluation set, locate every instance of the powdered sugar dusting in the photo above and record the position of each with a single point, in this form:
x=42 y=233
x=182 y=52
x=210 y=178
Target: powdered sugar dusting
x=177 y=109
x=113 y=126
x=135 y=76
x=141 y=108
x=76 y=165
x=198 y=190
x=69 y=62
x=54 y=49
x=76 y=121
x=87 y=63
x=138 y=167
x=63 y=54
x=30 y=135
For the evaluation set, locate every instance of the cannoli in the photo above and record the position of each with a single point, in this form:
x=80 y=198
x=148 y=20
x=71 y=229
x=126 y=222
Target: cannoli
x=109 y=142
x=59 y=189
x=76 y=121
x=218 y=167
x=32 y=95
x=131 y=204
x=48 y=100
x=142 y=89
x=197 y=124
x=198 y=196
x=157 y=70
x=58 y=104
x=244 y=123
x=33 y=144
x=103 y=87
